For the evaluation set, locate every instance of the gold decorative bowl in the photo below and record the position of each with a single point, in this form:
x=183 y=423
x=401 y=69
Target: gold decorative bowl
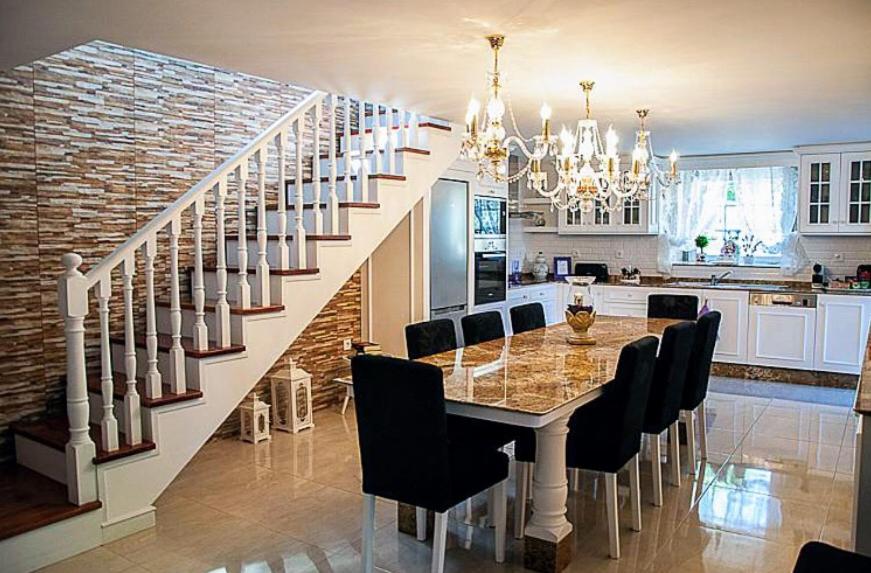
x=580 y=322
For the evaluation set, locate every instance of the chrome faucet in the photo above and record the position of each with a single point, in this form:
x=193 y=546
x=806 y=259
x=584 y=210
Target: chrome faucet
x=715 y=279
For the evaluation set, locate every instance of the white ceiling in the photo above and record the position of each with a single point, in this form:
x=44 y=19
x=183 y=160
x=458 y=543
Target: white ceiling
x=725 y=76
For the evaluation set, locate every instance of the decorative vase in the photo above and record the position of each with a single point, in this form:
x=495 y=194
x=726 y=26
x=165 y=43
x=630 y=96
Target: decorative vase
x=539 y=268
x=580 y=322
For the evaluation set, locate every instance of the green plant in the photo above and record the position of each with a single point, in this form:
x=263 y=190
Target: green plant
x=702 y=241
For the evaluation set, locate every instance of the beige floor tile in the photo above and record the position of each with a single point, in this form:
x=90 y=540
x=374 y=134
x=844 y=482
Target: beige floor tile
x=802 y=425
x=763 y=450
x=98 y=559
x=846 y=460
x=839 y=517
x=696 y=549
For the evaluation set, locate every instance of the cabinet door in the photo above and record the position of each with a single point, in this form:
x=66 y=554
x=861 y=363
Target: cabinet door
x=598 y=221
x=819 y=193
x=842 y=333
x=782 y=337
x=626 y=309
x=734 y=308
x=856 y=193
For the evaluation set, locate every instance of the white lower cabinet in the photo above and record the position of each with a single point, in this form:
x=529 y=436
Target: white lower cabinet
x=734 y=306
x=842 y=327
x=548 y=294
x=782 y=337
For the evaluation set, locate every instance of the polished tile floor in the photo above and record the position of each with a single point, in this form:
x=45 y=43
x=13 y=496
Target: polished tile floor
x=779 y=473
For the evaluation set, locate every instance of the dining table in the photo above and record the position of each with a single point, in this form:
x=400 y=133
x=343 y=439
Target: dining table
x=537 y=379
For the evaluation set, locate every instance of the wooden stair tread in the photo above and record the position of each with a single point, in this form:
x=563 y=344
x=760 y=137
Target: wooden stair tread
x=423 y=124
x=413 y=150
x=308 y=237
x=342 y=205
x=277 y=272
x=119 y=380
x=164 y=343
x=326 y=179
x=29 y=500
x=54 y=433
x=209 y=306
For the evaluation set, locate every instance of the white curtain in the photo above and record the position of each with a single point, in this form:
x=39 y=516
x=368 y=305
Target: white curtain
x=689 y=209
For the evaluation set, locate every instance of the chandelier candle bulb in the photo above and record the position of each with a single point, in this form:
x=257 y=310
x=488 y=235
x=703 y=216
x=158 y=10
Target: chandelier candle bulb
x=673 y=159
x=545 y=122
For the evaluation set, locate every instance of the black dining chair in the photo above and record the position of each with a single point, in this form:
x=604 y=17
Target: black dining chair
x=696 y=386
x=482 y=327
x=663 y=404
x=527 y=317
x=430 y=337
x=605 y=434
x=818 y=557
x=679 y=306
x=407 y=455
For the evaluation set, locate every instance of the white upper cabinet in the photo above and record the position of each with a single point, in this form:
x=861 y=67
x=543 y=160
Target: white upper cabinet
x=835 y=193
x=634 y=218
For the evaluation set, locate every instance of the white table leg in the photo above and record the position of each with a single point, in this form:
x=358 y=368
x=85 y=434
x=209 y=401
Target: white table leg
x=547 y=547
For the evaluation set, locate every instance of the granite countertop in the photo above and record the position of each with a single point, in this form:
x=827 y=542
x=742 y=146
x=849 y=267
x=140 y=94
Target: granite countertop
x=537 y=371
x=862 y=404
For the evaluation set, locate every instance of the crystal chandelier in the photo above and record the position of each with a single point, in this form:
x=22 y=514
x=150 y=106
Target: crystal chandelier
x=588 y=169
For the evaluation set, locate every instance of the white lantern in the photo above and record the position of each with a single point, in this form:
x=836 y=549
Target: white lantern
x=292 y=399
x=254 y=420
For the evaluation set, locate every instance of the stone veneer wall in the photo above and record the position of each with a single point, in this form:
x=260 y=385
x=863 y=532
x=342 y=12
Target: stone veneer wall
x=318 y=351
x=94 y=141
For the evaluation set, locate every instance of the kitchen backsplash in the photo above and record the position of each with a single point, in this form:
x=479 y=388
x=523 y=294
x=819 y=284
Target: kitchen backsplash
x=640 y=251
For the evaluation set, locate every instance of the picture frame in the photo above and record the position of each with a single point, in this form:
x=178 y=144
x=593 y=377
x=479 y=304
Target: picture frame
x=562 y=267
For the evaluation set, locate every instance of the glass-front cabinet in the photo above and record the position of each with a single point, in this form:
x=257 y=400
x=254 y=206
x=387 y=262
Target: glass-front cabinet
x=634 y=218
x=835 y=193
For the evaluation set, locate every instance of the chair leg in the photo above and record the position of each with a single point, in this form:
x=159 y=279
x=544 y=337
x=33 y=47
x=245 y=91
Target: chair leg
x=635 y=493
x=690 y=420
x=420 y=522
x=613 y=523
x=703 y=432
x=530 y=475
x=521 y=480
x=575 y=480
x=656 y=467
x=368 y=532
x=440 y=535
x=468 y=519
x=345 y=403
x=499 y=510
x=674 y=439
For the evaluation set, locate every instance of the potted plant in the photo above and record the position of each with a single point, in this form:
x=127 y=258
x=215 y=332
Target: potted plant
x=701 y=242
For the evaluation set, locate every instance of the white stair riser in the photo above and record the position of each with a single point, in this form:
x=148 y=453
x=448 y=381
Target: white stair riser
x=308 y=192
x=163 y=364
x=188 y=317
x=399 y=167
x=210 y=282
x=422 y=141
x=308 y=222
x=41 y=458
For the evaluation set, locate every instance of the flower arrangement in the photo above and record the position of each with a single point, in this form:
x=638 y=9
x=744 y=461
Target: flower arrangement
x=701 y=242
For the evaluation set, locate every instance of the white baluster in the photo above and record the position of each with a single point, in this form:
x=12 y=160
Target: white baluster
x=391 y=148
x=177 y=381
x=364 y=161
x=349 y=146
x=222 y=308
x=377 y=140
x=108 y=422
x=414 y=130
x=153 y=382
x=201 y=331
x=333 y=198
x=299 y=204
x=403 y=129
x=132 y=415
x=80 y=450
x=316 y=170
x=243 y=288
x=280 y=149
x=262 y=279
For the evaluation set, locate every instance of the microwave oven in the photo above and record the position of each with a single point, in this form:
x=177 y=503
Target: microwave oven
x=490 y=217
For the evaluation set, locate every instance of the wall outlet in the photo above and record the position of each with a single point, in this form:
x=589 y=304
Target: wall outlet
x=838 y=256
x=346 y=344
x=576 y=254
x=619 y=253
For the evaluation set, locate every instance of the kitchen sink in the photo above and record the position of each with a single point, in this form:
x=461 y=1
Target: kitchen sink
x=727 y=286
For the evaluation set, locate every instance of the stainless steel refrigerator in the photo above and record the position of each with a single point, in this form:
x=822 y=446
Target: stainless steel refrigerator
x=449 y=251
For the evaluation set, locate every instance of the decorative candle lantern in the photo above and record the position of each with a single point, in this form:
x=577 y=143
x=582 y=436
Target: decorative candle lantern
x=292 y=399
x=254 y=420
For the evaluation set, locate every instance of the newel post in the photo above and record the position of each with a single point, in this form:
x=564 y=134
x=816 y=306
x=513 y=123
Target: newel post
x=80 y=450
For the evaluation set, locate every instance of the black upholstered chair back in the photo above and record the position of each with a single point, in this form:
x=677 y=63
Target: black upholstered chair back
x=482 y=327
x=527 y=317
x=606 y=433
x=699 y=367
x=430 y=337
x=680 y=306
x=669 y=377
x=402 y=429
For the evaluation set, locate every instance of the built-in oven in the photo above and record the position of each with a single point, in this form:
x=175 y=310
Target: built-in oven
x=490 y=217
x=490 y=271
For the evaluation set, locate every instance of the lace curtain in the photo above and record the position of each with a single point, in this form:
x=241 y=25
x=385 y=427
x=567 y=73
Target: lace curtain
x=768 y=200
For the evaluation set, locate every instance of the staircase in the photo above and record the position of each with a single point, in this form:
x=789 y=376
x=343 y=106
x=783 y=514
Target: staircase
x=142 y=401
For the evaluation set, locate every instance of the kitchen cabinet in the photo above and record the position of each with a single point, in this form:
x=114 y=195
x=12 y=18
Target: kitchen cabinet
x=781 y=337
x=548 y=294
x=842 y=332
x=734 y=306
x=635 y=218
x=835 y=192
